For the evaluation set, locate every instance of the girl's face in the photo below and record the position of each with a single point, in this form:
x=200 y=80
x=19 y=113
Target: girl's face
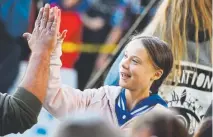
x=136 y=69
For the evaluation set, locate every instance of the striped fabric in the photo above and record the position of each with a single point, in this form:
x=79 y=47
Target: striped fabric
x=124 y=115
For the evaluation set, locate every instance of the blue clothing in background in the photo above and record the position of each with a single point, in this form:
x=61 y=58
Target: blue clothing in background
x=81 y=7
x=15 y=16
x=112 y=78
x=119 y=11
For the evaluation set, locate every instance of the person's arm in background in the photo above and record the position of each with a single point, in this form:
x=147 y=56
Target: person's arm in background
x=114 y=36
x=112 y=39
x=18 y=112
x=93 y=23
x=117 y=22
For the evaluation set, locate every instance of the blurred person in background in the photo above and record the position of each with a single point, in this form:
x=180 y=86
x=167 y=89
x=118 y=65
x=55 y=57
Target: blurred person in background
x=19 y=112
x=158 y=123
x=15 y=16
x=142 y=70
x=205 y=128
x=187 y=27
x=86 y=125
x=10 y=56
x=14 y=19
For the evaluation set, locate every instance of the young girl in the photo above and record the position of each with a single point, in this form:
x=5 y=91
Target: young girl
x=146 y=63
x=186 y=26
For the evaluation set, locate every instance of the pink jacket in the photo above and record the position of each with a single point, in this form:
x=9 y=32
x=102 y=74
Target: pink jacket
x=63 y=100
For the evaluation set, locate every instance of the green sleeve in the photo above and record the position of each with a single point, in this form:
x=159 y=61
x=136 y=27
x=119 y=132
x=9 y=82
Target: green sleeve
x=18 y=112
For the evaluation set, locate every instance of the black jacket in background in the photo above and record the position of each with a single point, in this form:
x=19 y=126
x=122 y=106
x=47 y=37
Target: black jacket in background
x=12 y=51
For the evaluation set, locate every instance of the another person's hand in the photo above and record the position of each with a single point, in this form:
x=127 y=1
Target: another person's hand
x=60 y=38
x=93 y=23
x=44 y=35
x=97 y=23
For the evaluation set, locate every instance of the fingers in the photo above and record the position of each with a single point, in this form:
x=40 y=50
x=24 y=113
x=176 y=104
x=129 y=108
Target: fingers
x=38 y=20
x=51 y=18
x=56 y=23
x=27 y=36
x=59 y=20
x=45 y=16
x=62 y=35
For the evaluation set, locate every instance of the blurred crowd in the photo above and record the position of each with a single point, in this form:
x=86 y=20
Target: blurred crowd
x=94 y=28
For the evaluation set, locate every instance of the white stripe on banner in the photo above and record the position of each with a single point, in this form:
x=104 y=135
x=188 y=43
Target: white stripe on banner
x=140 y=109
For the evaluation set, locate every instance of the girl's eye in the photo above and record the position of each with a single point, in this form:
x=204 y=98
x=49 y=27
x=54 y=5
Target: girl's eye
x=135 y=61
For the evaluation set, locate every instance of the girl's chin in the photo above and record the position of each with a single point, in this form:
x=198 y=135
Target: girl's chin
x=123 y=84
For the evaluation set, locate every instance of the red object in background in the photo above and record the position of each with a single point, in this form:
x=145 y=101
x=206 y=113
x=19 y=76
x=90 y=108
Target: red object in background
x=71 y=21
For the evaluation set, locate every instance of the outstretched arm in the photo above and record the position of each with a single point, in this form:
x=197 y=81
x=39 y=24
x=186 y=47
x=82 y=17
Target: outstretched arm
x=61 y=99
x=19 y=111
